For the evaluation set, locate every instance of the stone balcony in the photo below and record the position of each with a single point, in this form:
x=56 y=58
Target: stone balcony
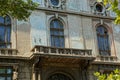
x=8 y=52
x=106 y=58
x=62 y=53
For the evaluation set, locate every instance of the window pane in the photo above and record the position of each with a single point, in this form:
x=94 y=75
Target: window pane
x=8 y=33
x=57 y=42
x=2 y=78
x=55 y=24
x=62 y=42
x=103 y=40
x=9 y=78
x=56 y=32
x=52 y=41
x=2 y=34
x=2 y=71
x=1 y=20
x=7 y=20
x=61 y=33
x=9 y=71
x=2 y=46
x=5 y=32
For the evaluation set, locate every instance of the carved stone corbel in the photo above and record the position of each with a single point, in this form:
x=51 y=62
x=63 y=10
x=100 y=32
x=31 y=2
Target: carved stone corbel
x=15 y=72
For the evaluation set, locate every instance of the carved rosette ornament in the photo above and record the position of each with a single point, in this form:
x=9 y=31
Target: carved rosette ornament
x=56 y=4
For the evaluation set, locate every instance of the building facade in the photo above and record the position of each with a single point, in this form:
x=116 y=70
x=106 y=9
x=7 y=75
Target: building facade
x=62 y=40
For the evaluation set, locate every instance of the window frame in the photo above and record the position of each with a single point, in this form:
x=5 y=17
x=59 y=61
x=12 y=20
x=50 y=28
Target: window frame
x=58 y=35
x=6 y=43
x=6 y=74
x=108 y=42
x=103 y=8
x=55 y=5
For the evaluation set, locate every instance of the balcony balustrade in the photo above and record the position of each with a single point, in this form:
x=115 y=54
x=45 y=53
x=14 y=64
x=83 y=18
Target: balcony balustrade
x=106 y=59
x=62 y=51
x=8 y=52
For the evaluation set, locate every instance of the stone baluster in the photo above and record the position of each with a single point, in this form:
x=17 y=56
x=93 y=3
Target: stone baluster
x=0 y=52
x=6 y=52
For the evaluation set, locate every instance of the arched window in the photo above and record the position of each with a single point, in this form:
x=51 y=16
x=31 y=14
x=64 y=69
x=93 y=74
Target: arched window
x=103 y=40
x=5 y=32
x=57 y=33
x=59 y=76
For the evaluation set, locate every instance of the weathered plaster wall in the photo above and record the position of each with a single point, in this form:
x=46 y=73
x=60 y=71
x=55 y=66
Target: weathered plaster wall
x=116 y=35
x=13 y=34
x=75 y=32
x=23 y=37
x=77 y=5
x=88 y=33
x=38 y=28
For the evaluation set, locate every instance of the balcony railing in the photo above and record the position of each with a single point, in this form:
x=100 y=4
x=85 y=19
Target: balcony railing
x=62 y=51
x=8 y=52
x=107 y=58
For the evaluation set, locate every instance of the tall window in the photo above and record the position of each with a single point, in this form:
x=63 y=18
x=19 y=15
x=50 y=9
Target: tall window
x=5 y=32
x=6 y=73
x=59 y=76
x=103 y=40
x=57 y=33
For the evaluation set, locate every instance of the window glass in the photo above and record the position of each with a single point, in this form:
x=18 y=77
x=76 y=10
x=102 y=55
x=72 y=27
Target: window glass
x=99 y=7
x=2 y=78
x=55 y=2
x=56 y=33
x=9 y=71
x=7 y=20
x=2 y=71
x=103 y=40
x=8 y=31
x=2 y=33
x=1 y=20
x=9 y=78
x=6 y=73
x=5 y=32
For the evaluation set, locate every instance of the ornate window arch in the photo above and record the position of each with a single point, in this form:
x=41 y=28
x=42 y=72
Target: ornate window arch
x=59 y=76
x=5 y=32
x=103 y=40
x=57 y=33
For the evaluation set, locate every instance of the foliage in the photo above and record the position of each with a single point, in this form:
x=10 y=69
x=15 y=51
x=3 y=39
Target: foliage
x=115 y=75
x=20 y=9
x=115 y=7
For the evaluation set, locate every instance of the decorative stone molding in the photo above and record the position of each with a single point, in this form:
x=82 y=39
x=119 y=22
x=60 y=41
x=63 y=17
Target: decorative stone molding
x=15 y=72
x=98 y=8
x=61 y=5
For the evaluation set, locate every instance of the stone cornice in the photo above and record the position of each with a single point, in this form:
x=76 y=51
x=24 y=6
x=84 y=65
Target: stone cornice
x=65 y=12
